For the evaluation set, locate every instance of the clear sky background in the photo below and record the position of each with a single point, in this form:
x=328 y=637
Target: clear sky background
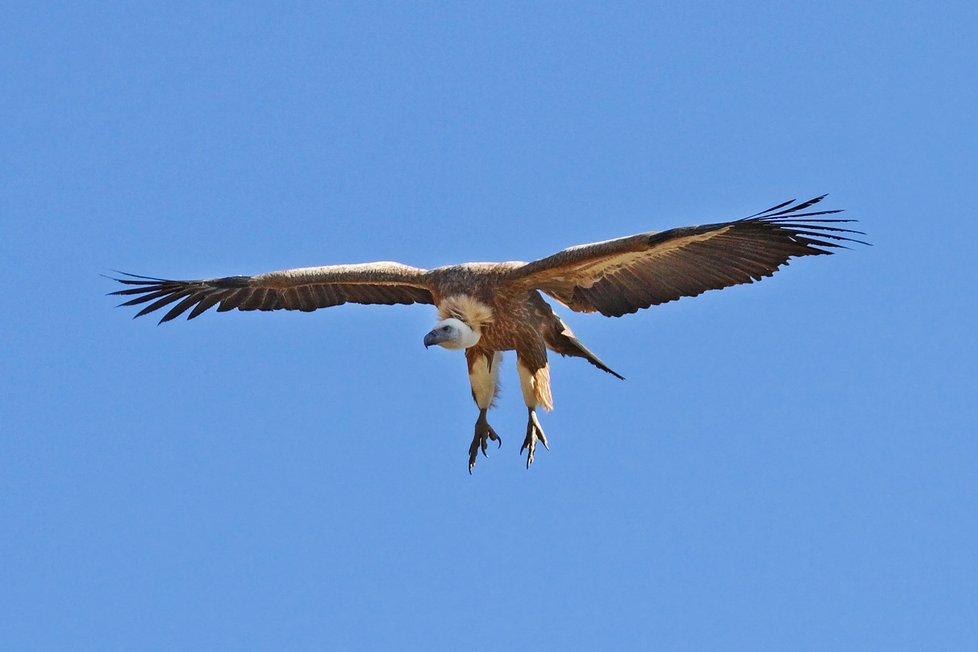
x=790 y=465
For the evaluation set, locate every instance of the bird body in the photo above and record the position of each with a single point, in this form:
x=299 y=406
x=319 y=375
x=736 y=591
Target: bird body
x=488 y=308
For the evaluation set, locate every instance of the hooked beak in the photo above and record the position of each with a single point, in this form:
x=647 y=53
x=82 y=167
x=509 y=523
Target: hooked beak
x=433 y=338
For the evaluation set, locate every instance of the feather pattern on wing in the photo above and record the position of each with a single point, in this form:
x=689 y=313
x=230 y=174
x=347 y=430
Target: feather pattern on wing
x=307 y=289
x=622 y=276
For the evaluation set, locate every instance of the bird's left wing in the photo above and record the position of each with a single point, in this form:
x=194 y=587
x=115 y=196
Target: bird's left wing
x=621 y=276
x=306 y=288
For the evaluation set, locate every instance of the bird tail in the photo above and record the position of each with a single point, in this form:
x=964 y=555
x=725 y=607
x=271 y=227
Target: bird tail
x=583 y=352
x=561 y=339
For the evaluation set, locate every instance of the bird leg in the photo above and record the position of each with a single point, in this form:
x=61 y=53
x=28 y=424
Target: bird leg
x=484 y=376
x=534 y=433
x=483 y=433
x=535 y=384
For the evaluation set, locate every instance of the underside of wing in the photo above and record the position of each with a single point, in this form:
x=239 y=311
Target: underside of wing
x=306 y=289
x=622 y=276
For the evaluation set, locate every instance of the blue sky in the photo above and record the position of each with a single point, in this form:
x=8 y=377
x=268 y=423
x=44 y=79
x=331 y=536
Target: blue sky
x=790 y=465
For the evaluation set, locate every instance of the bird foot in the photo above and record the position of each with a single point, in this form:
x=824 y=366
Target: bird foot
x=534 y=433
x=483 y=433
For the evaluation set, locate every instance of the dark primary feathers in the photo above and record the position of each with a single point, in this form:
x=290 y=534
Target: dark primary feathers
x=621 y=276
x=305 y=289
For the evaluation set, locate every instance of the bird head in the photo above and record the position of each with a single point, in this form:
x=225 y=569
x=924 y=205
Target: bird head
x=452 y=333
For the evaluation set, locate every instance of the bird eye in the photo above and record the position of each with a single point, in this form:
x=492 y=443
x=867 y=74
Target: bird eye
x=446 y=328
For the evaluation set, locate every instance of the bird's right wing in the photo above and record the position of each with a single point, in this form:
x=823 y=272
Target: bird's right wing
x=306 y=288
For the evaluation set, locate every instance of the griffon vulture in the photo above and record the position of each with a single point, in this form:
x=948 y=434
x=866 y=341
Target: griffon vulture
x=487 y=308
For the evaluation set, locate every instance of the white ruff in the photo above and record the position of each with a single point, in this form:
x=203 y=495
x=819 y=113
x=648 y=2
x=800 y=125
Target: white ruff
x=470 y=310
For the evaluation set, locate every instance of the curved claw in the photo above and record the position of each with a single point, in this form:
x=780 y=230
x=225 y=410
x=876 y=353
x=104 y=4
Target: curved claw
x=536 y=424
x=483 y=433
x=534 y=433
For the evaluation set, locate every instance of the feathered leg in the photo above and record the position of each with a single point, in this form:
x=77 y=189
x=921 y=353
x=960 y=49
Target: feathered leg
x=535 y=383
x=483 y=376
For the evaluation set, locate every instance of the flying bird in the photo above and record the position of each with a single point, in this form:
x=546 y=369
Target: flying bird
x=487 y=308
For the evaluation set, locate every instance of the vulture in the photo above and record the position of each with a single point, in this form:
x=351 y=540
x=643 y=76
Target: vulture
x=487 y=308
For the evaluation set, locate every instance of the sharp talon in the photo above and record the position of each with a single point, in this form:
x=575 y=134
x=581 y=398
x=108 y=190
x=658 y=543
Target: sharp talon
x=534 y=434
x=480 y=441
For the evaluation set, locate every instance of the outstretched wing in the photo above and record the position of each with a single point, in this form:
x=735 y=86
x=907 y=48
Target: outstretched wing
x=306 y=288
x=621 y=276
